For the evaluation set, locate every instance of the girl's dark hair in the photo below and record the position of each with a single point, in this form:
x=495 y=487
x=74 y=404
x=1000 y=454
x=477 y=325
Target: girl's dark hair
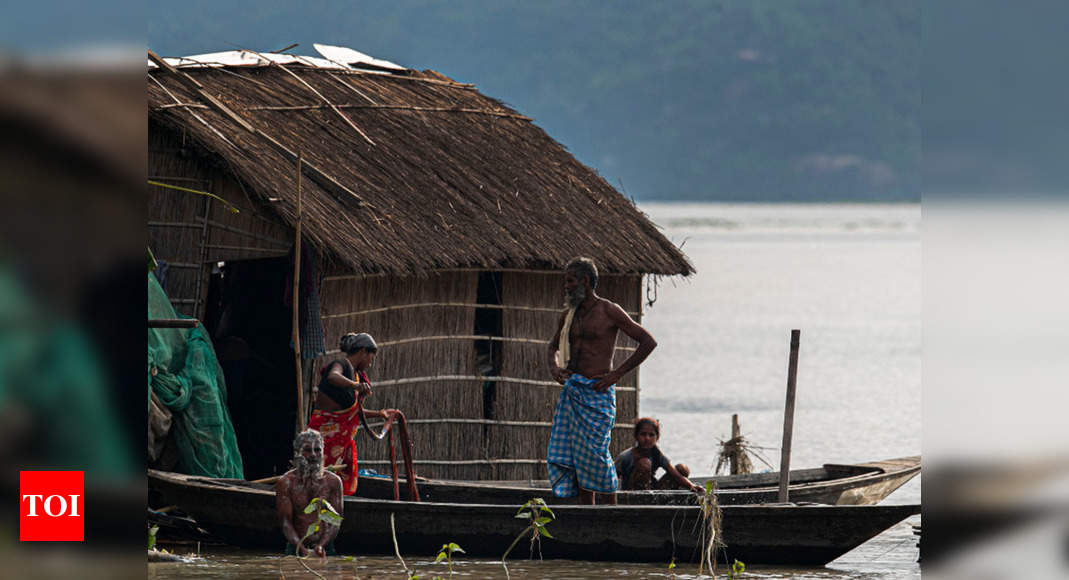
x=653 y=423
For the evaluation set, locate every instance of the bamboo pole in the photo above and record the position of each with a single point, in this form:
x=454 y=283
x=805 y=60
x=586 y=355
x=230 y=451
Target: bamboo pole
x=202 y=283
x=173 y=322
x=788 y=418
x=735 y=432
x=297 y=303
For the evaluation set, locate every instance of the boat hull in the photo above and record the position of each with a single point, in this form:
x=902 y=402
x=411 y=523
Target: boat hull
x=245 y=516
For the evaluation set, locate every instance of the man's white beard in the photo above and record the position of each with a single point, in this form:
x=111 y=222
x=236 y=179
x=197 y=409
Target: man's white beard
x=308 y=470
x=576 y=297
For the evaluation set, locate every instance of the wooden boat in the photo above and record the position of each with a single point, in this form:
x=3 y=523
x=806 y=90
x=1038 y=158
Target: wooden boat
x=859 y=484
x=243 y=514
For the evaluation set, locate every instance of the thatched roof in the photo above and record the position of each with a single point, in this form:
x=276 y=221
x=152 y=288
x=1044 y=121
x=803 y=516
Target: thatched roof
x=406 y=171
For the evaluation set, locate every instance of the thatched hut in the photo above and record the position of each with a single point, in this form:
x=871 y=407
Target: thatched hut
x=432 y=216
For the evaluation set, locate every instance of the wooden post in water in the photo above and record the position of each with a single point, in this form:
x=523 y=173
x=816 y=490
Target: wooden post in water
x=735 y=432
x=297 y=303
x=788 y=418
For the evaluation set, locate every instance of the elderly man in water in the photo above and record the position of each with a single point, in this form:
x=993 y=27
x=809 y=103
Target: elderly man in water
x=579 y=357
x=298 y=487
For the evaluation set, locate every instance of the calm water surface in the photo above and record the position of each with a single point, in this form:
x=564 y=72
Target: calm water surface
x=848 y=276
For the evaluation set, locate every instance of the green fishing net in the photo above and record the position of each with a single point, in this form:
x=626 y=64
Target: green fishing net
x=189 y=381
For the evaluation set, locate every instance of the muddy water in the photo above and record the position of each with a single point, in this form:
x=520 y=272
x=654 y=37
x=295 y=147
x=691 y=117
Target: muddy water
x=893 y=554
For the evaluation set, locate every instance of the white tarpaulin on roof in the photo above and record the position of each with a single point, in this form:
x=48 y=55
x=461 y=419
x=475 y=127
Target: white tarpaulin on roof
x=337 y=57
x=343 y=55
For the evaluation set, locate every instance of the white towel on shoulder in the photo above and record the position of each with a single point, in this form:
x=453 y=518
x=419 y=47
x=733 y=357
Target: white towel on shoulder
x=564 y=349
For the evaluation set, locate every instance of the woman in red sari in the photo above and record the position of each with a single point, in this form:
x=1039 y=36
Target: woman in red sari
x=343 y=384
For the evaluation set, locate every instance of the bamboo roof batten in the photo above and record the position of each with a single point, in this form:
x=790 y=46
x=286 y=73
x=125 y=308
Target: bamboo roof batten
x=352 y=88
x=185 y=105
x=327 y=102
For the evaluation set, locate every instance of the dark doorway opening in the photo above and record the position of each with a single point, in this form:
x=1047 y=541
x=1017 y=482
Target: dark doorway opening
x=488 y=323
x=250 y=324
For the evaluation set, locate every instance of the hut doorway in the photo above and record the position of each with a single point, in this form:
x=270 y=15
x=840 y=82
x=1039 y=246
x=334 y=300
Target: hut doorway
x=250 y=323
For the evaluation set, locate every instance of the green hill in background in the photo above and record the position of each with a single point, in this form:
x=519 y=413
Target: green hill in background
x=701 y=100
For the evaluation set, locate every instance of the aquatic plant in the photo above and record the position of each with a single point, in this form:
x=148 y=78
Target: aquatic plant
x=539 y=514
x=446 y=553
x=737 y=568
x=710 y=530
x=326 y=515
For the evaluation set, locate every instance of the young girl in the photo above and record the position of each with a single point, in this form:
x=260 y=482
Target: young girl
x=636 y=467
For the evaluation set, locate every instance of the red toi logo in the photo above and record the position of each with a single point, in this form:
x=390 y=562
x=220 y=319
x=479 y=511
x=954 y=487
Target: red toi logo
x=51 y=506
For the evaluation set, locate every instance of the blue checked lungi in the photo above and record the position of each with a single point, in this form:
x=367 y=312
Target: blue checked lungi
x=578 y=452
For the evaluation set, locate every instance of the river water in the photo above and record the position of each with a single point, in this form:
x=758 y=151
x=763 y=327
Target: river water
x=847 y=275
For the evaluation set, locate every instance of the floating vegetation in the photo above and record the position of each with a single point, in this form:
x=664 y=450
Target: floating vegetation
x=710 y=529
x=538 y=513
x=326 y=515
x=446 y=553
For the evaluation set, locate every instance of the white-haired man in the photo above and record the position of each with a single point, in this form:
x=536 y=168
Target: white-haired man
x=298 y=487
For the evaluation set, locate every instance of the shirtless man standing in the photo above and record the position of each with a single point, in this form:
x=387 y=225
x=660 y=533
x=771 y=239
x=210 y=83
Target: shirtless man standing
x=578 y=457
x=300 y=485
